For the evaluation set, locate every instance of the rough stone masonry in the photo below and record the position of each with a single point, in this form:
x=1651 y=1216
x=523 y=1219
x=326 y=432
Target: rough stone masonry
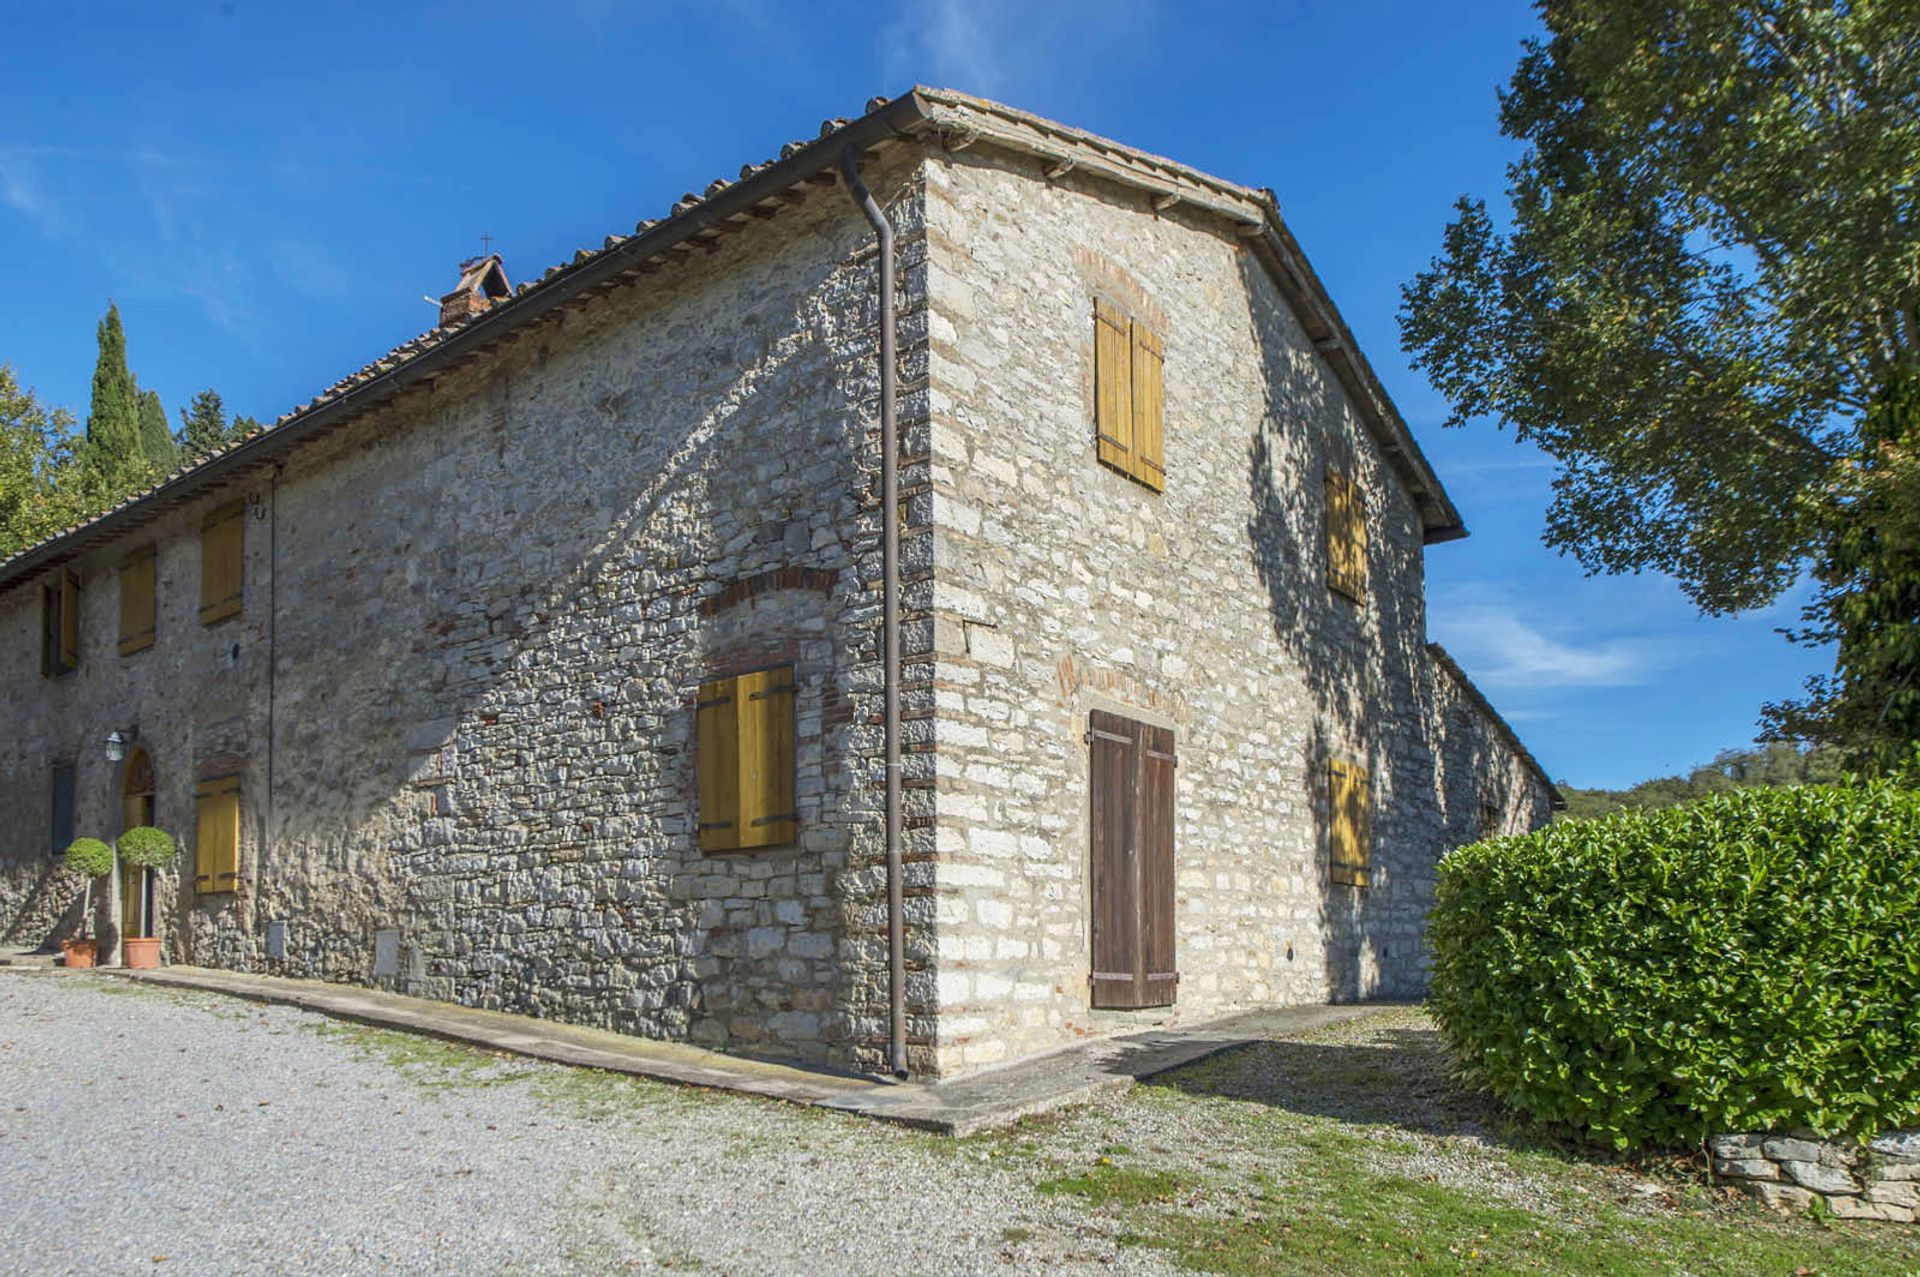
x=459 y=696
x=1876 y=1179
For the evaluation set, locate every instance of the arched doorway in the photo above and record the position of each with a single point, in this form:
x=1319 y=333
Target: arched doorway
x=136 y=809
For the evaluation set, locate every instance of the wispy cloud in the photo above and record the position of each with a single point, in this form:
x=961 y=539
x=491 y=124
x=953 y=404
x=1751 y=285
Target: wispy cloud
x=1503 y=650
x=1001 y=48
x=950 y=42
x=20 y=186
x=1497 y=467
x=1514 y=643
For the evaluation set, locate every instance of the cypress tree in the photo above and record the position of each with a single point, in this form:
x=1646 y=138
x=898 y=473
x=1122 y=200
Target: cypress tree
x=156 y=440
x=203 y=425
x=112 y=453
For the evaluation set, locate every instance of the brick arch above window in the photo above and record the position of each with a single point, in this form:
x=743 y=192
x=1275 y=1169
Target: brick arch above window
x=217 y=766
x=745 y=588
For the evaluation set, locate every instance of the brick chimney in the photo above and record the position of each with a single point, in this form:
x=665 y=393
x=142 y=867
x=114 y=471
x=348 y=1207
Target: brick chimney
x=483 y=281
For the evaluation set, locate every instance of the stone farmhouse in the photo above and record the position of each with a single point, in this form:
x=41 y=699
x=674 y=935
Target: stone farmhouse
x=955 y=589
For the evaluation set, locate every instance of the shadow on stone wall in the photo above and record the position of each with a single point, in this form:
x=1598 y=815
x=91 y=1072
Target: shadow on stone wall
x=1476 y=792
x=585 y=898
x=1364 y=666
x=46 y=910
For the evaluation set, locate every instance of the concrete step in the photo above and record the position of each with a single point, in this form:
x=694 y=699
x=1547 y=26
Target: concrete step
x=960 y=1106
x=32 y=958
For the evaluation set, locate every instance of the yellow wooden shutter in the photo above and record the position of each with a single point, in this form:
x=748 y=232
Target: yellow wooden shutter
x=137 y=602
x=1113 y=386
x=1349 y=837
x=216 y=839
x=717 y=760
x=1336 y=490
x=1346 y=537
x=1149 y=407
x=1357 y=540
x=764 y=702
x=222 y=570
x=744 y=758
x=69 y=619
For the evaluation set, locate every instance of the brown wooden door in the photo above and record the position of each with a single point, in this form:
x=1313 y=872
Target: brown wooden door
x=1154 y=832
x=1132 y=774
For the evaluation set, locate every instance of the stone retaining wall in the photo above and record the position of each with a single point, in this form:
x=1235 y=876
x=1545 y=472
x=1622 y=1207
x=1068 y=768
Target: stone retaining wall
x=1876 y=1180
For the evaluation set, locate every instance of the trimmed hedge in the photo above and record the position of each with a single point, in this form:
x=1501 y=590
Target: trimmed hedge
x=1748 y=962
x=145 y=845
x=88 y=857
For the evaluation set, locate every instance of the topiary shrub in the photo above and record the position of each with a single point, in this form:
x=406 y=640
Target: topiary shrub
x=88 y=857
x=145 y=845
x=1748 y=962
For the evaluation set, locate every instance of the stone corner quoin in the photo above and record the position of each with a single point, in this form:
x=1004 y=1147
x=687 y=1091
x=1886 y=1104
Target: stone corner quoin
x=457 y=716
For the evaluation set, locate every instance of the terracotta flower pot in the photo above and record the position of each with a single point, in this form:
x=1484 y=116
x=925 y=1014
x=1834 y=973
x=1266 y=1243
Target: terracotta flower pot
x=80 y=953
x=141 y=952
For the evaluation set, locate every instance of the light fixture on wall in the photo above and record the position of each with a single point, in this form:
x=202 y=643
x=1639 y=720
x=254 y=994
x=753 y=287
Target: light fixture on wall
x=117 y=743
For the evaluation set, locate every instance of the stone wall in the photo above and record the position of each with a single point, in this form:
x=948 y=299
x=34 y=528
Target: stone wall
x=460 y=694
x=1486 y=781
x=1878 y=1180
x=486 y=608
x=195 y=700
x=1063 y=586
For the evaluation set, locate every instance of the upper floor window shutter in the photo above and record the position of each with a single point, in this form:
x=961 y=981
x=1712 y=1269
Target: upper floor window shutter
x=1131 y=862
x=1346 y=536
x=216 y=839
x=69 y=619
x=137 y=601
x=222 y=563
x=1129 y=396
x=745 y=761
x=1349 y=832
x=1149 y=408
x=49 y=631
x=1113 y=386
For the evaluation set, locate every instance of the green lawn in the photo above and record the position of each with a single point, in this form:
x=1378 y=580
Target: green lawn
x=1351 y=1150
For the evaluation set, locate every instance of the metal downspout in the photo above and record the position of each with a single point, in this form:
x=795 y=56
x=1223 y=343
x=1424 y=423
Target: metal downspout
x=890 y=609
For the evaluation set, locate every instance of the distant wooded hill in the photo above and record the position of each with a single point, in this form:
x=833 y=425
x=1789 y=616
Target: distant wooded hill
x=1768 y=765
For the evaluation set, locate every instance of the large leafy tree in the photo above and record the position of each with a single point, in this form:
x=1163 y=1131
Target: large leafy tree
x=1710 y=276
x=35 y=456
x=1868 y=601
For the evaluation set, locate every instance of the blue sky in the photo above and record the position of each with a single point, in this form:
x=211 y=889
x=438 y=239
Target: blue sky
x=269 y=191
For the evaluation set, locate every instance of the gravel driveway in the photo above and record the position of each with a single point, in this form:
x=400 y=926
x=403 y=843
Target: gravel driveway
x=159 y=1131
